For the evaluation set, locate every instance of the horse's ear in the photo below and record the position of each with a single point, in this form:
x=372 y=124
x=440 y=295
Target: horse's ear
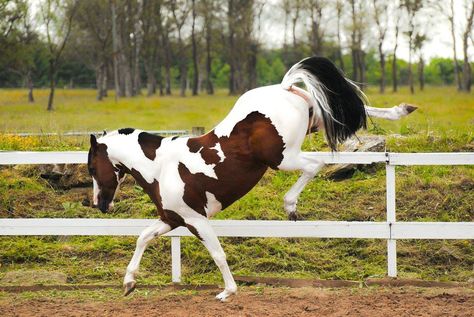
x=93 y=141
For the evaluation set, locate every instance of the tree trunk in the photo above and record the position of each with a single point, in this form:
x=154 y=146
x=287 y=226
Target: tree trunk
x=355 y=65
x=394 y=62
x=316 y=36
x=467 y=76
x=118 y=92
x=29 y=83
x=52 y=84
x=410 y=72
x=127 y=76
x=466 y=69
x=183 y=78
x=252 y=66
x=126 y=72
x=382 y=69
x=160 y=81
x=209 y=86
x=354 y=46
x=339 y=41
x=457 y=75
x=394 y=73
x=167 y=58
x=104 y=79
x=230 y=19
x=138 y=45
x=362 y=71
x=150 y=77
x=98 y=81
x=421 y=73
x=195 y=59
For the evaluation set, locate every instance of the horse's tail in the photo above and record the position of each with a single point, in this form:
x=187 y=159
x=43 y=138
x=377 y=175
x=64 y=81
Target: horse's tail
x=340 y=101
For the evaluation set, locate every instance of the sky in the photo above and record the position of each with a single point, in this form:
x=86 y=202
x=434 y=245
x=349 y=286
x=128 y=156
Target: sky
x=432 y=22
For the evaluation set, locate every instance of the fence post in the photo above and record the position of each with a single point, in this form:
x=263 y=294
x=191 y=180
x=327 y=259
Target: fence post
x=391 y=218
x=176 y=259
x=197 y=131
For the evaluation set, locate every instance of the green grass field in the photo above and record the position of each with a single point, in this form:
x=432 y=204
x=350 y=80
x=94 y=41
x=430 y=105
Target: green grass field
x=444 y=122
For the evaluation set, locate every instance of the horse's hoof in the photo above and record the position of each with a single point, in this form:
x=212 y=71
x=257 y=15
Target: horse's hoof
x=409 y=108
x=222 y=296
x=129 y=287
x=293 y=216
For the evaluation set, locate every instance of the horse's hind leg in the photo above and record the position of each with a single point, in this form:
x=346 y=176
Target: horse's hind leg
x=310 y=166
x=157 y=229
x=203 y=230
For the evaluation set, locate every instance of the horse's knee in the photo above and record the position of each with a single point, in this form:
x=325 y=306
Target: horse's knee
x=220 y=258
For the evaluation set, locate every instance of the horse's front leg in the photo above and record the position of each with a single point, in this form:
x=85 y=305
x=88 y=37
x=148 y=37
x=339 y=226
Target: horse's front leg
x=157 y=229
x=310 y=166
x=203 y=230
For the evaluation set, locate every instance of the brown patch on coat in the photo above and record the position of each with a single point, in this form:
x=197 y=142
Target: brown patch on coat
x=149 y=144
x=103 y=171
x=209 y=155
x=253 y=145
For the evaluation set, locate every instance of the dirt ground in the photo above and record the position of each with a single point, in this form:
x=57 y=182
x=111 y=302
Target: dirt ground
x=254 y=301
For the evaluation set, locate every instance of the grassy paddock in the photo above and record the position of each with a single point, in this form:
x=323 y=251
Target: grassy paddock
x=444 y=122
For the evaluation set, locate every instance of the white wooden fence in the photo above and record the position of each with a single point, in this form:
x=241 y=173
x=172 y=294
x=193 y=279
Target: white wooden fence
x=390 y=230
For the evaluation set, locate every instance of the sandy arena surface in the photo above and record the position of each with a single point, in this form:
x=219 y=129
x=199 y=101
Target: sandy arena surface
x=254 y=301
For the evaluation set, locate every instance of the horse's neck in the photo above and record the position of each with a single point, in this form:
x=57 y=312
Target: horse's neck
x=125 y=150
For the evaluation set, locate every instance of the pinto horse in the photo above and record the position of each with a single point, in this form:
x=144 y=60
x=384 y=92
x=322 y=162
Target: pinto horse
x=190 y=179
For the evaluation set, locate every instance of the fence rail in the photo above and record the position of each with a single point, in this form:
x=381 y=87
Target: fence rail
x=390 y=230
x=84 y=133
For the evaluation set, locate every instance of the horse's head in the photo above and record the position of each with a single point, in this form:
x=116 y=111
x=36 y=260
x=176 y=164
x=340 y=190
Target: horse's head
x=106 y=177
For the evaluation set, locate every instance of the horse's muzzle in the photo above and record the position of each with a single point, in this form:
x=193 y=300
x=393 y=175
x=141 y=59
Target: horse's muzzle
x=103 y=205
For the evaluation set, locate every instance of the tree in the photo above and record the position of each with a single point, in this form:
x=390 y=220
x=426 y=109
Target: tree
x=466 y=69
x=208 y=9
x=137 y=41
x=57 y=17
x=418 y=44
x=166 y=28
x=380 y=15
x=115 y=50
x=315 y=8
x=339 y=10
x=180 y=11
x=94 y=19
x=152 y=28
x=194 y=51
x=412 y=7
x=357 y=30
x=395 y=47
x=451 y=18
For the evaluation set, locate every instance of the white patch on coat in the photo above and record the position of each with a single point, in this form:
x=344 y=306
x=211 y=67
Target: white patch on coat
x=220 y=153
x=95 y=192
x=213 y=206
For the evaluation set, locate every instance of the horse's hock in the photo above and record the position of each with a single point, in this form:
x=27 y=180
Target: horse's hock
x=355 y=144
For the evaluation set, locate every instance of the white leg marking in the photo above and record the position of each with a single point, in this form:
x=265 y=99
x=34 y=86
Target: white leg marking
x=157 y=229
x=310 y=166
x=394 y=113
x=95 y=195
x=212 y=244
